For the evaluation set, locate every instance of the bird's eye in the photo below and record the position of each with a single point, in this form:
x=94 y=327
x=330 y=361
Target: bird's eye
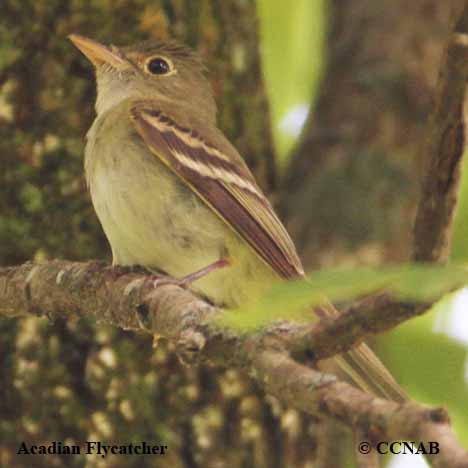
x=158 y=66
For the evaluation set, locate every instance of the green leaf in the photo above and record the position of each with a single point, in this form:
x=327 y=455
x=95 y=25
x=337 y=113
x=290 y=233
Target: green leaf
x=293 y=300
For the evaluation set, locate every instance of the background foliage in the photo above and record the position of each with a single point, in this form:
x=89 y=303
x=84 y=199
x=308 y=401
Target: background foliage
x=347 y=190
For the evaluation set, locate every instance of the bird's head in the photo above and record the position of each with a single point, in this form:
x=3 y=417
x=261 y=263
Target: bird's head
x=154 y=70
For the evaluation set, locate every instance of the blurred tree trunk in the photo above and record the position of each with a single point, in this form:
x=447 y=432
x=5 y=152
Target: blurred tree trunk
x=354 y=178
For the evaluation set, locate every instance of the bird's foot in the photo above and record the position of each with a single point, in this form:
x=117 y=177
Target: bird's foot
x=189 y=279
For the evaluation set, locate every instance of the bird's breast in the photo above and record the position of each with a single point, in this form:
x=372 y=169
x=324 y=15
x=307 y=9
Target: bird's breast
x=152 y=218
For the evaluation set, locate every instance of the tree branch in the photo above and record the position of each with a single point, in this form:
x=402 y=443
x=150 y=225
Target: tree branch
x=372 y=315
x=446 y=139
x=92 y=294
x=128 y=299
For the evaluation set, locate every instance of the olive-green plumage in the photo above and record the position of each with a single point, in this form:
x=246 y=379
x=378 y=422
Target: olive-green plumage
x=173 y=194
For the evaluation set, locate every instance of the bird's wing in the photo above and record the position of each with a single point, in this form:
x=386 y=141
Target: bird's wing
x=215 y=171
x=218 y=175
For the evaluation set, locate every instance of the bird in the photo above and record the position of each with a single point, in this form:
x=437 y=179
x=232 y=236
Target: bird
x=173 y=194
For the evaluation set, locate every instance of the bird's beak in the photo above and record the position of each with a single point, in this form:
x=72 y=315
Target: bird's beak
x=97 y=53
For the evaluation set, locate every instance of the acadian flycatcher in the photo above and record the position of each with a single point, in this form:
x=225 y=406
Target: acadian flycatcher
x=173 y=194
